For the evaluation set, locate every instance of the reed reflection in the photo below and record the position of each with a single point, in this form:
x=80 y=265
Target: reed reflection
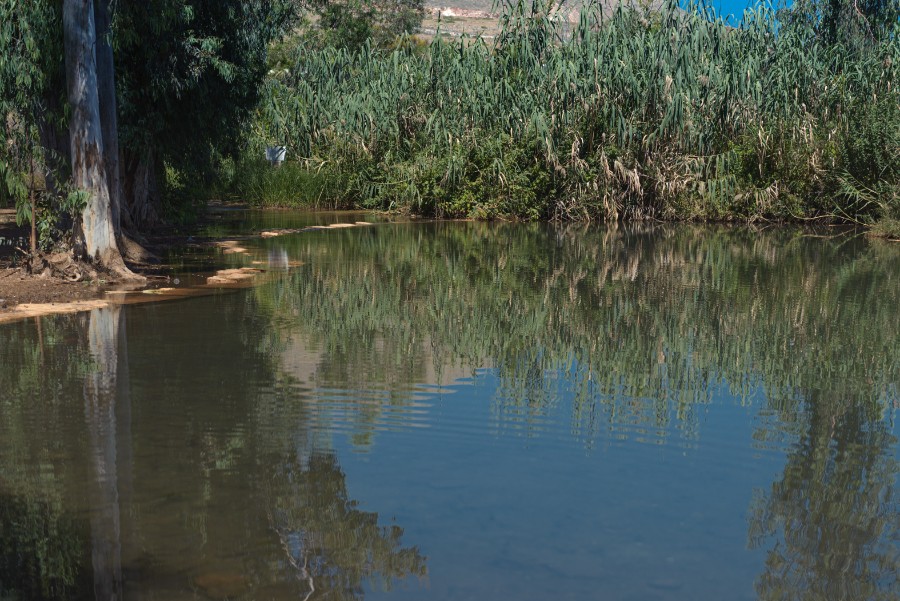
x=199 y=448
x=635 y=329
x=637 y=325
x=831 y=522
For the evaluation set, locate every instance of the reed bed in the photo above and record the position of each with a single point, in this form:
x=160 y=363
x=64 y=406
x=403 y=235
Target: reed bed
x=635 y=113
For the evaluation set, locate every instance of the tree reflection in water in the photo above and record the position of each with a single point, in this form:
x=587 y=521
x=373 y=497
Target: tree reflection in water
x=102 y=394
x=834 y=515
x=334 y=546
x=642 y=324
x=78 y=521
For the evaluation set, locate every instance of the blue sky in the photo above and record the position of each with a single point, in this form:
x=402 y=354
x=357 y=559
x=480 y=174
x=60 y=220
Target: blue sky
x=736 y=7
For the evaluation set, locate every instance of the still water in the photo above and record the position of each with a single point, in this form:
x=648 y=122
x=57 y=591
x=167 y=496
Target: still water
x=470 y=411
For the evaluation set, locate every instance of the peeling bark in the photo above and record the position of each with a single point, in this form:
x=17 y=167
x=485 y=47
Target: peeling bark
x=109 y=123
x=142 y=189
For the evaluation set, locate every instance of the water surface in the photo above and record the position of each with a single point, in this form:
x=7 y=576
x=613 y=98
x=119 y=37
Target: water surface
x=470 y=411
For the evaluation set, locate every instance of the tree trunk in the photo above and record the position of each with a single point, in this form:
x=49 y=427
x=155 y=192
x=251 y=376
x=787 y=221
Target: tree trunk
x=33 y=241
x=86 y=138
x=142 y=189
x=109 y=123
x=123 y=225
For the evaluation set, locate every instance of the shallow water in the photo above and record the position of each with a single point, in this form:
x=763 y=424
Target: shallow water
x=470 y=411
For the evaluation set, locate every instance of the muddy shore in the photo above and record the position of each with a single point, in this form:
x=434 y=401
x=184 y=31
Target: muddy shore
x=18 y=287
x=232 y=263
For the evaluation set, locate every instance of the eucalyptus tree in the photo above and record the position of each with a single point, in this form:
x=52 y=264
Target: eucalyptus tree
x=89 y=160
x=172 y=80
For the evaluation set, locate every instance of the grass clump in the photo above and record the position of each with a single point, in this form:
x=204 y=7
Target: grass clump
x=290 y=184
x=886 y=228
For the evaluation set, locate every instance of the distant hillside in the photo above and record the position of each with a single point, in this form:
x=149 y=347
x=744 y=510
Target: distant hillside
x=480 y=17
x=484 y=8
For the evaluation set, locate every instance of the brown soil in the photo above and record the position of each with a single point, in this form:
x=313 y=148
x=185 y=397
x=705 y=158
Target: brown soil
x=54 y=289
x=17 y=287
x=56 y=285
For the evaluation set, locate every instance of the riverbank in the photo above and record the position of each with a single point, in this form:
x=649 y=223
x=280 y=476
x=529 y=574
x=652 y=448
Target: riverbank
x=217 y=263
x=224 y=251
x=18 y=287
x=23 y=295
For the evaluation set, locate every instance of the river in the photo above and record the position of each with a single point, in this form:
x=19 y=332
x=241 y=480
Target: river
x=470 y=411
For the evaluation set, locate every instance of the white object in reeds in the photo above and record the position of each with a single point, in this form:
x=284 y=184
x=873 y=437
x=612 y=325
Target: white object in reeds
x=275 y=154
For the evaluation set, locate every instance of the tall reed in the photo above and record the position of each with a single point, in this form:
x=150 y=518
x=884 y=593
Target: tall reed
x=633 y=113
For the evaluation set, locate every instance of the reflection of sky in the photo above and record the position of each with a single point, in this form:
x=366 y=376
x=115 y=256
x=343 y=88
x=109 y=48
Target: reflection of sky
x=533 y=513
x=735 y=8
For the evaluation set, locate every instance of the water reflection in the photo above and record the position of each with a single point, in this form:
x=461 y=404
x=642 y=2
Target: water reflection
x=332 y=545
x=634 y=329
x=479 y=394
x=834 y=511
x=278 y=259
x=42 y=549
x=102 y=393
x=206 y=506
x=638 y=324
x=45 y=547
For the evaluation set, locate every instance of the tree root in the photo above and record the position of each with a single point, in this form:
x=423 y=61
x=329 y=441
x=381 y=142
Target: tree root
x=60 y=265
x=65 y=267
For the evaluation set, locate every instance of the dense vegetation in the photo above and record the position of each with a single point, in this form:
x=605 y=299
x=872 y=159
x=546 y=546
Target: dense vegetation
x=666 y=113
x=157 y=91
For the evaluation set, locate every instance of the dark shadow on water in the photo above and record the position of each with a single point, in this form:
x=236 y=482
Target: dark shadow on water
x=85 y=514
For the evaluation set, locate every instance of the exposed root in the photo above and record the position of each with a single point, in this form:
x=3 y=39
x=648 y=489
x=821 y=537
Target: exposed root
x=61 y=265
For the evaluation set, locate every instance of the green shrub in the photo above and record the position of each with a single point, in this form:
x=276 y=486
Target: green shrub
x=886 y=228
